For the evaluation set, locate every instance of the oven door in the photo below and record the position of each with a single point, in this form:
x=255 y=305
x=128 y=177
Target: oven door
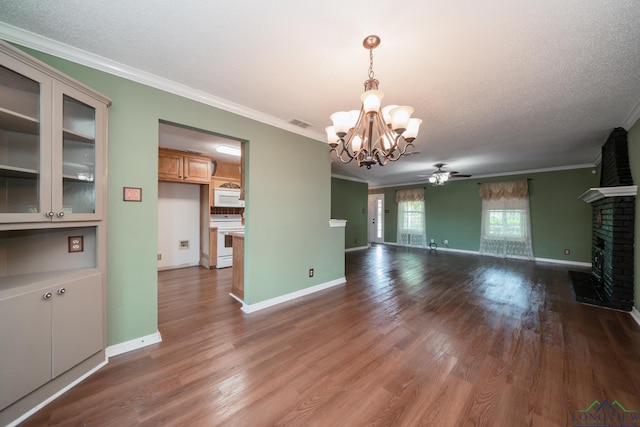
x=225 y=248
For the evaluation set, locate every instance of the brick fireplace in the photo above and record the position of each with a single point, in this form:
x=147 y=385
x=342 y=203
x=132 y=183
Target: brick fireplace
x=610 y=283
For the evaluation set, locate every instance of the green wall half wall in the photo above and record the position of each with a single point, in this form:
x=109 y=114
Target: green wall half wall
x=288 y=200
x=349 y=201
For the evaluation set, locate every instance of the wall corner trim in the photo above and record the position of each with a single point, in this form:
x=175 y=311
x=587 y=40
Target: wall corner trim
x=134 y=344
x=250 y=308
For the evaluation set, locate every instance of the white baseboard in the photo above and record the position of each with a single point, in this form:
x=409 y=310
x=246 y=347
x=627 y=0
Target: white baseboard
x=125 y=347
x=561 y=261
x=250 y=308
x=357 y=248
x=536 y=259
x=55 y=396
x=636 y=315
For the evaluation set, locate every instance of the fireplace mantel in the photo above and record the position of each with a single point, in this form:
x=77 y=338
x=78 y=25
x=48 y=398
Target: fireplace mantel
x=594 y=194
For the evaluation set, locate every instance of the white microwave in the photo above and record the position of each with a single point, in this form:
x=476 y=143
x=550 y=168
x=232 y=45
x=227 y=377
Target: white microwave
x=227 y=198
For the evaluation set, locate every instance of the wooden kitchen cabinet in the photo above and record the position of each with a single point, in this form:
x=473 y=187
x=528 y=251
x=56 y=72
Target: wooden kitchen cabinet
x=227 y=175
x=237 y=279
x=228 y=170
x=53 y=169
x=180 y=166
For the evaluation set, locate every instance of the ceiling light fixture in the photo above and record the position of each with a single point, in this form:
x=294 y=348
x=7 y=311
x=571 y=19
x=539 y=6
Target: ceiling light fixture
x=225 y=149
x=439 y=178
x=372 y=134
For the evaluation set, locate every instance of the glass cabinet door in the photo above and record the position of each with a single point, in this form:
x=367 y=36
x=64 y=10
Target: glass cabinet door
x=77 y=173
x=23 y=128
x=78 y=157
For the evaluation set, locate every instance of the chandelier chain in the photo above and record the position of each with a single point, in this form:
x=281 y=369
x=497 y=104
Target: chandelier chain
x=371 y=73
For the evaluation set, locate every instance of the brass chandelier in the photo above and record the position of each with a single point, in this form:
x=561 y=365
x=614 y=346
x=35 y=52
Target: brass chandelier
x=372 y=134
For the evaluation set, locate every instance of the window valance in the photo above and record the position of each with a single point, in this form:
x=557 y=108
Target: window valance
x=505 y=190
x=413 y=194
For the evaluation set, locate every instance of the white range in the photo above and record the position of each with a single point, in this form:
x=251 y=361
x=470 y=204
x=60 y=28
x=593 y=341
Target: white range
x=226 y=224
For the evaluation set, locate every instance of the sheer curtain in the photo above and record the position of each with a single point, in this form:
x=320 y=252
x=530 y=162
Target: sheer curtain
x=506 y=223
x=411 y=219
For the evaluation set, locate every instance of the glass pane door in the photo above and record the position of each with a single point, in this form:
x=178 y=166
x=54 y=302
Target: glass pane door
x=20 y=128
x=78 y=157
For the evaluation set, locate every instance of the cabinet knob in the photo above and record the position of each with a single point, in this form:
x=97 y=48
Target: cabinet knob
x=61 y=291
x=50 y=214
x=47 y=295
x=60 y=214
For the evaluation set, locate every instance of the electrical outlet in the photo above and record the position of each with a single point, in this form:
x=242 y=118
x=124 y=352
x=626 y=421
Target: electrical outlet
x=76 y=243
x=433 y=240
x=159 y=257
x=567 y=251
x=445 y=241
x=183 y=244
x=311 y=272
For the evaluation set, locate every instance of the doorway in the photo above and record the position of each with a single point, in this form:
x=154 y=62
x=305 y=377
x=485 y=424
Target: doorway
x=376 y=218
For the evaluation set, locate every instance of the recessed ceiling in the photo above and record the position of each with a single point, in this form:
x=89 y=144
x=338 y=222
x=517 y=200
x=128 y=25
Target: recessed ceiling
x=501 y=86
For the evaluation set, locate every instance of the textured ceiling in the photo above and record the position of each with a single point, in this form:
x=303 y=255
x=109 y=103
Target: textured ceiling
x=501 y=85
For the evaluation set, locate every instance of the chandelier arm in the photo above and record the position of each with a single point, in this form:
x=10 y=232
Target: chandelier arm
x=340 y=153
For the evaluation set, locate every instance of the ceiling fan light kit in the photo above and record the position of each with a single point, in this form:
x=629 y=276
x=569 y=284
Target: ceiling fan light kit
x=373 y=134
x=440 y=177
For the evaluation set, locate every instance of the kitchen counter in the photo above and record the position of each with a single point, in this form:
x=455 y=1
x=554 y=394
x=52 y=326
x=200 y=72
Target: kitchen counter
x=237 y=279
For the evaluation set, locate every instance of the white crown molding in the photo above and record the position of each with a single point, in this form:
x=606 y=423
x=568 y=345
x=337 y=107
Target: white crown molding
x=348 y=178
x=43 y=44
x=528 y=171
x=632 y=118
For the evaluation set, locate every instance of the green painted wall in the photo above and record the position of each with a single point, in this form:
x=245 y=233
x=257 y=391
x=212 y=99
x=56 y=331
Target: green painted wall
x=558 y=219
x=288 y=200
x=634 y=162
x=349 y=201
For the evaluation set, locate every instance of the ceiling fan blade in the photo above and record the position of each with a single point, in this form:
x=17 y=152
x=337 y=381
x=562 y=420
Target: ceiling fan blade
x=457 y=175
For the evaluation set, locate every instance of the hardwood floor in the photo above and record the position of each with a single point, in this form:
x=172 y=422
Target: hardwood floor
x=414 y=338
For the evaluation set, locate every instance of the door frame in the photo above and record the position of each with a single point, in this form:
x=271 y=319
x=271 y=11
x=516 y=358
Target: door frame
x=375 y=218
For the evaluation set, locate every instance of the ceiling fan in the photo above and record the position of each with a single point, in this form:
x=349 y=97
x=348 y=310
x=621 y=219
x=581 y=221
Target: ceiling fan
x=440 y=177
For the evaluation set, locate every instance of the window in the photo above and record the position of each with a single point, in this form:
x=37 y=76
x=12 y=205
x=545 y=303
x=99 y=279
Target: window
x=506 y=223
x=411 y=217
x=506 y=229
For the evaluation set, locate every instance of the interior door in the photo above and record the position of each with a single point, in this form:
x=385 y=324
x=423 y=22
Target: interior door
x=376 y=218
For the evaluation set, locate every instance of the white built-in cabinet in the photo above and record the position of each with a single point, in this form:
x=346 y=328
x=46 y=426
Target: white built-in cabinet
x=53 y=149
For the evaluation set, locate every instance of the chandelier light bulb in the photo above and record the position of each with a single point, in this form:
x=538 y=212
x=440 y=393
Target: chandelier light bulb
x=341 y=122
x=400 y=118
x=385 y=113
x=356 y=143
x=412 y=129
x=371 y=100
x=332 y=137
